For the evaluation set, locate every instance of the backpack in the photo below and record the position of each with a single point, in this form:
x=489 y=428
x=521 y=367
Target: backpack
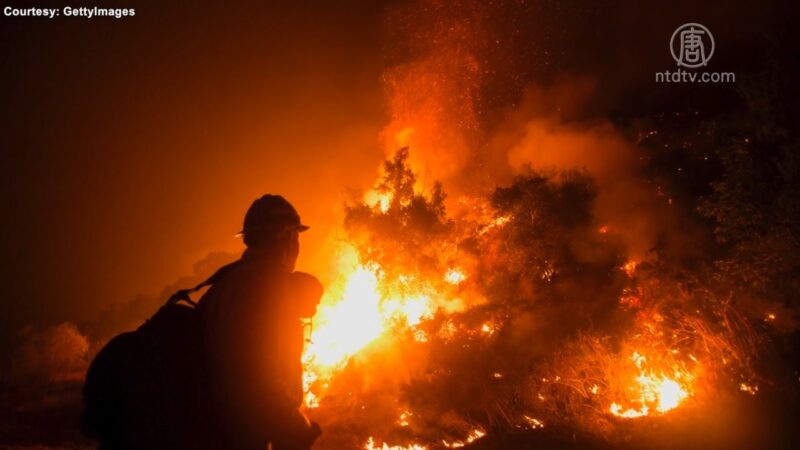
x=149 y=388
x=145 y=388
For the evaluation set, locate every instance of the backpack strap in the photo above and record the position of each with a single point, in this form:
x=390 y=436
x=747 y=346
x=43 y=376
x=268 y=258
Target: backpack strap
x=185 y=294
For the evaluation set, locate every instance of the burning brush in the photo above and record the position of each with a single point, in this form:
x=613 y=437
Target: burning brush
x=443 y=329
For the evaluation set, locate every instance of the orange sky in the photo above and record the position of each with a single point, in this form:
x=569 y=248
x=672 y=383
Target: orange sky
x=135 y=147
x=132 y=148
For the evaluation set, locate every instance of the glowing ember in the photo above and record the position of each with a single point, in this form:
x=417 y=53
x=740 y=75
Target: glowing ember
x=502 y=220
x=454 y=276
x=472 y=437
x=652 y=392
x=750 y=389
x=370 y=445
x=420 y=335
x=629 y=413
x=629 y=268
x=533 y=422
x=498 y=222
x=403 y=421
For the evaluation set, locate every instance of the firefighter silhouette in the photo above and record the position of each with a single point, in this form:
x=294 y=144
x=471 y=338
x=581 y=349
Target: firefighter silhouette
x=223 y=373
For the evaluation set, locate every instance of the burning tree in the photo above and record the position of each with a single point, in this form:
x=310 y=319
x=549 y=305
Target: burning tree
x=504 y=314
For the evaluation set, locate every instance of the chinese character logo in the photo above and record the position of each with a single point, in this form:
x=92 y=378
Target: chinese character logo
x=691 y=45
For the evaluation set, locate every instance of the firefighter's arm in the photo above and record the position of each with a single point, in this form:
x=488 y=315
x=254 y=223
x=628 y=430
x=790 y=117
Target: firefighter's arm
x=306 y=291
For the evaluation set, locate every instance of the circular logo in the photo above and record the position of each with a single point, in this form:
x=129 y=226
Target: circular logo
x=691 y=45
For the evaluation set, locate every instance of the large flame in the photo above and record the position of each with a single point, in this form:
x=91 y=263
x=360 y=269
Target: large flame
x=652 y=392
x=356 y=311
x=349 y=324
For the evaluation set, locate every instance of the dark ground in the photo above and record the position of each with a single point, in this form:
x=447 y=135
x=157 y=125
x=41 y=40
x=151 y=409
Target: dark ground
x=47 y=418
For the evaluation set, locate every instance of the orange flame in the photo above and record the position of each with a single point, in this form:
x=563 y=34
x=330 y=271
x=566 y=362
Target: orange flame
x=629 y=268
x=379 y=200
x=474 y=435
x=357 y=310
x=653 y=392
x=370 y=445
